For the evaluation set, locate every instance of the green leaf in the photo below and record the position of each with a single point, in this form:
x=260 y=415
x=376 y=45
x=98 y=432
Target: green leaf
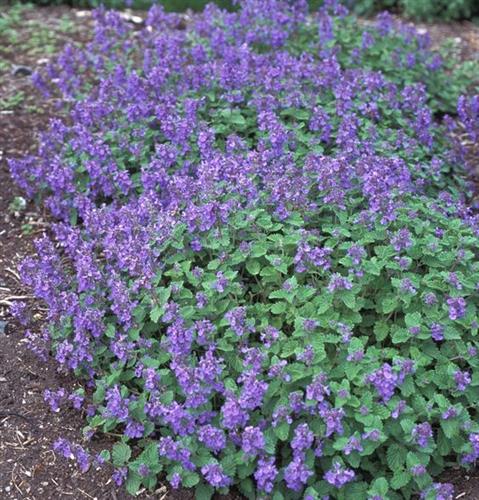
x=282 y=431
x=253 y=267
x=380 y=487
x=400 y=479
x=412 y=319
x=133 y=483
x=120 y=453
x=389 y=304
x=110 y=331
x=156 y=313
x=450 y=427
x=279 y=307
x=204 y=492
x=190 y=479
x=149 y=455
x=396 y=456
x=381 y=330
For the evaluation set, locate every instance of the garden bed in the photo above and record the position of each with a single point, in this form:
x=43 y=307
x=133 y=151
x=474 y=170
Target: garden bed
x=28 y=466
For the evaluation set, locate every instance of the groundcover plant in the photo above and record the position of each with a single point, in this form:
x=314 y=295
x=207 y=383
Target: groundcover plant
x=263 y=268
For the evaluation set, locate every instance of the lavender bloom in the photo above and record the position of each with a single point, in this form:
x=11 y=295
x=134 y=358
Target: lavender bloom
x=385 y=380
x=407 y=286
x=449 y=413
x=430 y=299
x=296 y=474
x=401 y=240
x=354 y=444
x=76 y=400
x=338 y=282
x=233 y=415
x=269 y=336
x=55 y=398
x=265 y=474
x=119 y=476
x=422 y=433
x=63 y=447
x=238 y=322
x=143 y=470
x=442 y=491
x=437 y=332
x=303 y=438
x=212 y=437
x=462 y=379
x=373 y=435
x=309 y=325
x=318 y=388
x=418 y=470
x=82 y=457
x=338 y=476
x=333 y=420
x=214 y=474
x=221 y=282
x=134 y=429
x=454 y=281
x=19 y=310
x=457 y=307
x=252 y=441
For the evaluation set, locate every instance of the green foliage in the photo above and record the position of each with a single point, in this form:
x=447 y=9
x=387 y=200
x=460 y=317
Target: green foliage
x=263 y=277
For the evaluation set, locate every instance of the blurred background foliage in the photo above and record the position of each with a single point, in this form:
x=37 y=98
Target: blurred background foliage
x=426 y=10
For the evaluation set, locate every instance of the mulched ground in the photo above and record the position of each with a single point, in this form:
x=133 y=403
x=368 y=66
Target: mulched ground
x=29 y=469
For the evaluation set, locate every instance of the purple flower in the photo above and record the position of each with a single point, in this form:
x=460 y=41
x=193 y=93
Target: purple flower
x=422 y=433
x=134 y=429
x=55 y=398
x=373 y=435
x=385 y=380
x=265 y=474
x=333 y=419
x=221 y=282
x=303 y=438
x=238 y=322
x=338 y=282
x=457 y=307
x=401 y=240
x=437 y=332
x=318 y=389
x=233 y=415
x=338 y=476
x=309 y=325
x=418 y=470
x=269 y=335
x=451 y=412
x=175 y=481
x=212 y=437
x=354 y=444
x=214 y=474
x=76 y=400
x=296 y=474
x=441 y=491
x=462 y=379
x=82 y=457
x=430 y=299
x=407 y=286
x=119 y=476
x=252 y=440
x=63 y=447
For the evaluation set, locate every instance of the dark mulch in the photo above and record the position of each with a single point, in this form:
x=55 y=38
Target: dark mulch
x=29 y=469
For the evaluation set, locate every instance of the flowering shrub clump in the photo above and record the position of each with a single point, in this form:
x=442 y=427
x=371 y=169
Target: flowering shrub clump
x=262 y=268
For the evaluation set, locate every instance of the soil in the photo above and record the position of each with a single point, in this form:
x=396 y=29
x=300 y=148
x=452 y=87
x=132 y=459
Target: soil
x=29 y=469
